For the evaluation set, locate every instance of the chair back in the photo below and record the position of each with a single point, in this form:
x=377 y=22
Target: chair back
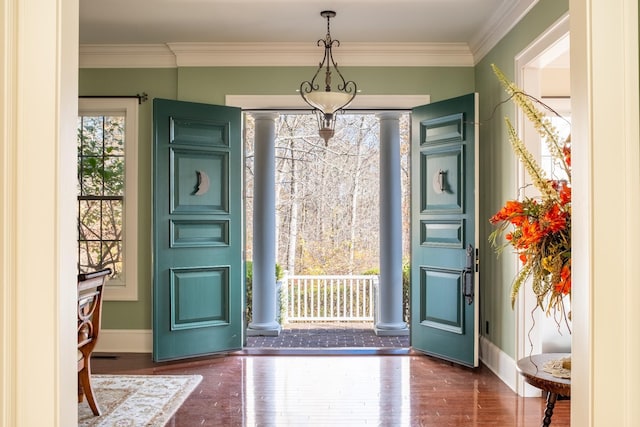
x=90 y=292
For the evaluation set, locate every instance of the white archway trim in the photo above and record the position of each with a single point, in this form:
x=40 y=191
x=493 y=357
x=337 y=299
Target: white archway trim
x=605 y=101
x=553 y=39
x=38 y=267
x=550 y=44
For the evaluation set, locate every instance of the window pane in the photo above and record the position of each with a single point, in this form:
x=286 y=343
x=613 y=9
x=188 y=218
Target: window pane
x=90 y=135
x=114 y=136
x=113 y=176
x=112 y=256
x=112 y=220
x=90 y=256
x=92 y=175
x=89 y=224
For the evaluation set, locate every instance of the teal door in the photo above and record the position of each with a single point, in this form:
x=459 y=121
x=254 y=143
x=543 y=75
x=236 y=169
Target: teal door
x=198 y=278
x=444 y=233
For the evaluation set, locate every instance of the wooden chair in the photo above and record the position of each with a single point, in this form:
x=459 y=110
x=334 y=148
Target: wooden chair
x=90 y=291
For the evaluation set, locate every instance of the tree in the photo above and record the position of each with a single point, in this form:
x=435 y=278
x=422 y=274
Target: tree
x=100 y=192
x=327 y=196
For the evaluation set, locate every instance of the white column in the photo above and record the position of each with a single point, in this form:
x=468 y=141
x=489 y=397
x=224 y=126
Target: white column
x=389 y=321
x=264 y=228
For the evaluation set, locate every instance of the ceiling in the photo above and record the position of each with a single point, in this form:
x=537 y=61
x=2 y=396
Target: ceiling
x=474 y=23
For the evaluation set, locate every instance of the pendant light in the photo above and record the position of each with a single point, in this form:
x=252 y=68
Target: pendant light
x=329 y=100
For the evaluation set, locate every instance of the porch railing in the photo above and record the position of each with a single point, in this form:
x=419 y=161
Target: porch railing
x=329 y=298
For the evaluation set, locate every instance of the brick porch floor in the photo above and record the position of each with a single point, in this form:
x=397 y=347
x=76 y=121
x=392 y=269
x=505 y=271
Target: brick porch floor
x=327 y=335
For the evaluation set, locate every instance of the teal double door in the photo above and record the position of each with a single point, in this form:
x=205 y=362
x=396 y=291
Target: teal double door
x=444 y=230
x=198 y=245
x=198 y=272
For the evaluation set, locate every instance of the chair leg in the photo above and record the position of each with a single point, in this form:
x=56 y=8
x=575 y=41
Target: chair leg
x=85 y=380
x=80 y=391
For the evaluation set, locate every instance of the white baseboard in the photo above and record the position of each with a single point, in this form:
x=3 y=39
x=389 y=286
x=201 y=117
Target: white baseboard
x=501 y=364
x=125 y=341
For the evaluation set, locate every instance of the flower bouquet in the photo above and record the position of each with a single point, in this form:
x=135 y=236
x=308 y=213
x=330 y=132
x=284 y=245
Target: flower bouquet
x=538 y=228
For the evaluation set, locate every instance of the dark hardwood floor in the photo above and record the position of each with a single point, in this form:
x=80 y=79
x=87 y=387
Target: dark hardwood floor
x=253 y=389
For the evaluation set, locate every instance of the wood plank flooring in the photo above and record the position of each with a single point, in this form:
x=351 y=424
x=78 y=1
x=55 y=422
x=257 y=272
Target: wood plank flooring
x=340 y=390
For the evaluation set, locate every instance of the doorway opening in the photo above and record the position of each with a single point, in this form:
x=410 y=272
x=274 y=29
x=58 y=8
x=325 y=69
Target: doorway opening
x=327 y=230
x=543 y=71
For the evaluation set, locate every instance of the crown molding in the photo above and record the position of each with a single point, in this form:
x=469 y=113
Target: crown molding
x=126 y=56
x=304 y=54
x=503 y=21
x=273 y=54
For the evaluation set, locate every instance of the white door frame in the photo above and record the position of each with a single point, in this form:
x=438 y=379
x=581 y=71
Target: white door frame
x=528 y=65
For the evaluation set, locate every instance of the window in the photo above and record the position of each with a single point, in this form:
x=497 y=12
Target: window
x=562 y=123
x=107 y=192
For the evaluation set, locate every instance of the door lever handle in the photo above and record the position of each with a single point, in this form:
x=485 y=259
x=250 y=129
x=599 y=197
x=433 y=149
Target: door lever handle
x=467 y=273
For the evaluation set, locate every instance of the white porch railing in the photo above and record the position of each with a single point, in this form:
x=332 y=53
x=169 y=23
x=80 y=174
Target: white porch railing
x=329 y=298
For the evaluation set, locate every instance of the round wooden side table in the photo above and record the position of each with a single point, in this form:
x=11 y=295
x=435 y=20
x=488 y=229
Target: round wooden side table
x=530 y=368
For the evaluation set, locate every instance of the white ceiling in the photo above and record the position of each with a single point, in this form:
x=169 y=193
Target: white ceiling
x=125 y=22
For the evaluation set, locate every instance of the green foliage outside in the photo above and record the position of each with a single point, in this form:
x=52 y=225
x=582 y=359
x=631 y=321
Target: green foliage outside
x=101 y=181
x=406 y=292
x=406 y=288
x=249 y=292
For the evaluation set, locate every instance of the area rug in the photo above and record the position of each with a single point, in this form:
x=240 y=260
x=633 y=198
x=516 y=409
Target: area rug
x=136 y=400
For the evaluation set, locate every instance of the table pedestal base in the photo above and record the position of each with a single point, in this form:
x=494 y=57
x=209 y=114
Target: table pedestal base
x=531 y=368
x=551 y=403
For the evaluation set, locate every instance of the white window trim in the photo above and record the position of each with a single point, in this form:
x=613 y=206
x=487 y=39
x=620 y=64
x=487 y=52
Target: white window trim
x=127 y=289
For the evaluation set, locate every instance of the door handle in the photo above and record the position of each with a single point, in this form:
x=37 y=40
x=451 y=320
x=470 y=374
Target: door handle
x=467 y=276
x=439 y=182
x=202 y=186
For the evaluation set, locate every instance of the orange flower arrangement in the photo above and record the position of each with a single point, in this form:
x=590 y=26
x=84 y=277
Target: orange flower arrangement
x=538 y=228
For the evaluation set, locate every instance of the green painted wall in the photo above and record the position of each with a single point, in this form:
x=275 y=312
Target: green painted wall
x=158 y=82
x=498 y=180
x=210 y=85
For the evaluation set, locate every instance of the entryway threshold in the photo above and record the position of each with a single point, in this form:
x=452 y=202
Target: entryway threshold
x=324 y=351
x=338 y=336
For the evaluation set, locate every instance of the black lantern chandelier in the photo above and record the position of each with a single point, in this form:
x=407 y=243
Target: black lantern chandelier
x=326 y=102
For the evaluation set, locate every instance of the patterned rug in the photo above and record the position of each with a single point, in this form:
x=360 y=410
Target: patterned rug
x=136 y=400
